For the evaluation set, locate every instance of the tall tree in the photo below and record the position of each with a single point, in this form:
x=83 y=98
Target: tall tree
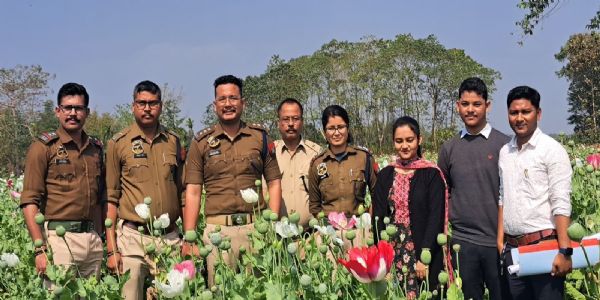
x=582 y=56
x=22 y=90
x=376 y=80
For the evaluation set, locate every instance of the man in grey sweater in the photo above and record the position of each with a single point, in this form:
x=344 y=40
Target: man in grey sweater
x=470 y=163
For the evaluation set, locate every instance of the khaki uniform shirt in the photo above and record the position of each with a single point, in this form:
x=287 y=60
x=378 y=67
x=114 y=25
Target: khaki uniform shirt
x=64 y=181
x=294 y=177
x=227 y=165
x=136 y=168
x=340 y=185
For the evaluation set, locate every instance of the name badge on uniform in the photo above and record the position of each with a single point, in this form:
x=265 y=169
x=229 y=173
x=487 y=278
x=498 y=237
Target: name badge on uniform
x=322 y=171
x=62 y=155
x=214 y=152
x=213 y=142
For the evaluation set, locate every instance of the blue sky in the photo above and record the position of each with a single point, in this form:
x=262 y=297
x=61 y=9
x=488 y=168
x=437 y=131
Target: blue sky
x=109 y=46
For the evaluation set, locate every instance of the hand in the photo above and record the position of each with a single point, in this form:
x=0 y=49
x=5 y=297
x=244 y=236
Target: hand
x=41 y=261
x=561 y=266
x=500 y=247
x=189 y=249
x=114 y=263
x=421 y=270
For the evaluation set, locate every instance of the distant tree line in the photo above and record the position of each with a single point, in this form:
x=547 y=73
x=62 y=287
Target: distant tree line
x=376 y=80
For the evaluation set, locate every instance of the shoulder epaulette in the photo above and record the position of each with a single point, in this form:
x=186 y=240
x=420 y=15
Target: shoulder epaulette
x=47 y=137
x=171 y=132
x=203 y=133
x=313 y=146
x=318 y=155
x=120 y=134
x=96 y=141
x=257 y=126
x=365 y=149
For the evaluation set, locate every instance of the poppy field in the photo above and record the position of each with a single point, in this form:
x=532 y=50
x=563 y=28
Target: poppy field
x=284 y=261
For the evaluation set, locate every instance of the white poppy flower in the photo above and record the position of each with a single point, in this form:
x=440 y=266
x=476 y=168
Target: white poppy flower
x=326 y=230
x=143 y=211
x=164 y=220
x=249 y=195
x=286 y=230
x=175 y=286
x=364 y=222
x=10 y=259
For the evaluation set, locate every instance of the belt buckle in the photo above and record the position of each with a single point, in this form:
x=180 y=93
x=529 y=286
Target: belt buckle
x=75 y=227
x=239 y=219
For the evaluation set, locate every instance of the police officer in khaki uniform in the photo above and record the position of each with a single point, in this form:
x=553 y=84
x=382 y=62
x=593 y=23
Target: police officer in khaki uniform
x=142 y=161
x=294 y=155
x=224 y=159
x=339 y=176
x=64 y=181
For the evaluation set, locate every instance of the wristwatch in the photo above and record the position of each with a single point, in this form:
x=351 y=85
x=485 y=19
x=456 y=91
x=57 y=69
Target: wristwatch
x=566 y=251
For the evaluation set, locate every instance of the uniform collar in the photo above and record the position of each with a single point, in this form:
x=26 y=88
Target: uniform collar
x=281 y=146
x=533 y=141
x=137 y=131
x=485 y=132
x=349 y=150
x=65 y=138
x=244 y=129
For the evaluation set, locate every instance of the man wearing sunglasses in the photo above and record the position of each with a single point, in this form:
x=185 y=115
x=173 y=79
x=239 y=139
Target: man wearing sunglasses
x=144 y=168
x=64 y=181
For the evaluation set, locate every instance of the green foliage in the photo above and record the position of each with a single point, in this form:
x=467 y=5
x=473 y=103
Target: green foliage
x=22 y=89
x=376 y=80
x=538 y=10
x=582 y=69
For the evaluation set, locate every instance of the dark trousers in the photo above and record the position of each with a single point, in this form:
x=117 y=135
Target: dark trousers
x=542 y=286
x=479 y=268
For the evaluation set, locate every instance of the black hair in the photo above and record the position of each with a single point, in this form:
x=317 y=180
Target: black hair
x=73 y=89
x=524 y=92
x=229 y=79
x=336 y=111
x=413 y=125
x=290 y=101
x=147 y=86
x=474 y=84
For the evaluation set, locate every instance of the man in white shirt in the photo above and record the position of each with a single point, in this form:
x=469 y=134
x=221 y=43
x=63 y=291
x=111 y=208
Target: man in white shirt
x=294 y=155
x=534 y=204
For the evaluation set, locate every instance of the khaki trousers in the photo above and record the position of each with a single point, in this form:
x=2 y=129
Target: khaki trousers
x=239 y=237
x=86 y=248
x=131 y=245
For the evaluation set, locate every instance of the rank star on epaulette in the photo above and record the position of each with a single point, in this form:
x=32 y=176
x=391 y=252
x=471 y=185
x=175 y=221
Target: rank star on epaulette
x=48 y=136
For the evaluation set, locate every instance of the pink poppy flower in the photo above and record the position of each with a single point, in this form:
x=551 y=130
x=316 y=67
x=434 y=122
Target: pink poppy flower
x=187 y=268
x=594 y=160
x=340 y=222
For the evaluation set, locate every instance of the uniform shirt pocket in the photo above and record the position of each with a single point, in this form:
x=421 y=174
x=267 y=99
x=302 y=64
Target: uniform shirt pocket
x=169 y=168
x=63 y=171
x=216 y=167
x=250 y=164
x=328 y=191
x=138 y=170
x=359 y=184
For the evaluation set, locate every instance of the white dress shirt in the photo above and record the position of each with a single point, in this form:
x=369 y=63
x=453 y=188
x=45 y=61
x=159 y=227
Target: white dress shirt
x=485 y=132
x=535 y=184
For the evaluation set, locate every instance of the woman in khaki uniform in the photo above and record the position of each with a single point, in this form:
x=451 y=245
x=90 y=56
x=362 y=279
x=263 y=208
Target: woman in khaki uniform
x=339 y=175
